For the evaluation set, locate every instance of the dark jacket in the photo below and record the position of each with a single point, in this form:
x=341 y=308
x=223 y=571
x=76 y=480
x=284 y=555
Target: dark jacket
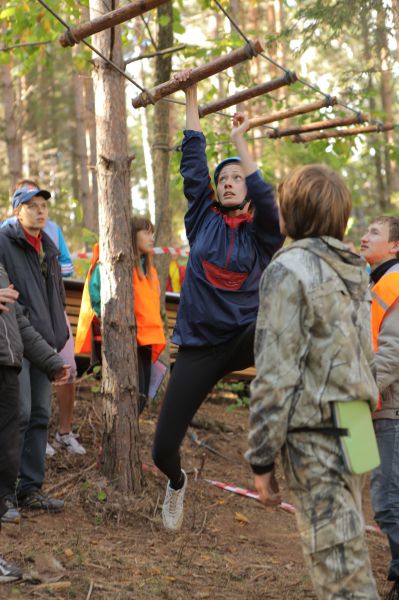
x=40 y=287
x=227 y=254
x=18 y=337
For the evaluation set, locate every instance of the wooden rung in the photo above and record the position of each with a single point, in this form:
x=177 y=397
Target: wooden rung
x=198 y=74
x=111 y=19
x=324 y=135
x=291 y=112
x=326 y=124
x=263 y=88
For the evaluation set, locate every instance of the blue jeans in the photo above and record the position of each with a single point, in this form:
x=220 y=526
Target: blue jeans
x=35 y=411
x=385 y=487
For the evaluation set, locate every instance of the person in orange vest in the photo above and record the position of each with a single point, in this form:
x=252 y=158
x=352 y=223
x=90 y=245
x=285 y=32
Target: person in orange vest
x=380 y=247
x=176 y=275
x=147 y=307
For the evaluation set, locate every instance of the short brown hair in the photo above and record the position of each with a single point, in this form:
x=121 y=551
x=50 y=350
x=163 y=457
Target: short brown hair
x=393 y=224
x=141 y=224
x=314 y=201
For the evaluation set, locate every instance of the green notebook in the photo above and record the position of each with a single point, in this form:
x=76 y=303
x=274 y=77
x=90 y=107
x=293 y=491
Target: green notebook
x=360 y=446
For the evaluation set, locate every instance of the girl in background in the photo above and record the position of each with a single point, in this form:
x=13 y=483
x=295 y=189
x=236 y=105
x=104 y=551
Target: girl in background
x=147 y=307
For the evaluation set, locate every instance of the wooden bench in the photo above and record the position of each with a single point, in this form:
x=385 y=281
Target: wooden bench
x=74 y=290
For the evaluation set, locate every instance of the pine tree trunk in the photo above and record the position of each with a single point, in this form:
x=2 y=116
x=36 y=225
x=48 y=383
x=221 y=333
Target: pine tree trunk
x=80 y=148
x=374 y=140
x=121 y=456
x=386 y=88
x=12 y=132
x=161 y=152
x=90 y=128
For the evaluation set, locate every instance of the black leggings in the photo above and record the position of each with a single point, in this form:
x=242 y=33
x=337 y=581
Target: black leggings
x=196 y=371
x=9 y=432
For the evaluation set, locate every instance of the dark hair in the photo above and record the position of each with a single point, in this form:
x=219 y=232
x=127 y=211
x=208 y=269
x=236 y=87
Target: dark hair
x=393 y=224
x=141 y=224
x=314 y=201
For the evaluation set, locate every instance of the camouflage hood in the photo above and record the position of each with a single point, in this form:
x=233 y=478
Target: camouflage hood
x=350 y=267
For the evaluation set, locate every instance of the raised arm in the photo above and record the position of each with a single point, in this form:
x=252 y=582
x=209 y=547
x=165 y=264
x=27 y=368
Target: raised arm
x=240 y=126
x=192 y=116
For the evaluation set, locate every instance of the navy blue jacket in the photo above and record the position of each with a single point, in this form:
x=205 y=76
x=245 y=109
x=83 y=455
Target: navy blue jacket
x=227 y=254
x=41 y=296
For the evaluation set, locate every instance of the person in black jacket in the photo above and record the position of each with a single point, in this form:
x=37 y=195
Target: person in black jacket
x=17 y=337
x=30 y=259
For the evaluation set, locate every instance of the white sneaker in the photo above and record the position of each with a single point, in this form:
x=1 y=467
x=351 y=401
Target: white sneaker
x=70 y=443
x=172 y=509
x=50 y=451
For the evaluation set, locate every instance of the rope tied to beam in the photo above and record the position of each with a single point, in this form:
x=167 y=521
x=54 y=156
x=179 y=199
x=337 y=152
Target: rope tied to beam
x=100 y=54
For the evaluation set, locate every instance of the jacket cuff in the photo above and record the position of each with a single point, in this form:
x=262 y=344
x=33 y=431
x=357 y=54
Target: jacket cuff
x=262 y=469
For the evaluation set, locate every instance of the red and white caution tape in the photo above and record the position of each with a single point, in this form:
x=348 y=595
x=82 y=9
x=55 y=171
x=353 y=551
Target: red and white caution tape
x=283 y=505
x=157 y=250
x=248 y=493
x=170 y=250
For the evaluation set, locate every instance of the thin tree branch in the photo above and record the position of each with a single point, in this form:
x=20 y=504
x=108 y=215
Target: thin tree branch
x=152 y=54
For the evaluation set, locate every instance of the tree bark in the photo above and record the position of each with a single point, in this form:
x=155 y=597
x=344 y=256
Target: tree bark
x=381 y=191
x=161 y=144
x=90 y=128
x=386 y=87
x=13 y=136
x=121 y=455
x=81 y=148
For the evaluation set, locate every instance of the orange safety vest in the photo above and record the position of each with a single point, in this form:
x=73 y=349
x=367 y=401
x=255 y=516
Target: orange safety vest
x=83 y=340
x=147 y=311
x=384 y=294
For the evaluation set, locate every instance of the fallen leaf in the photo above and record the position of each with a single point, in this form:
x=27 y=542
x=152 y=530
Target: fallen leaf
x=68 y=552
x=241 y=518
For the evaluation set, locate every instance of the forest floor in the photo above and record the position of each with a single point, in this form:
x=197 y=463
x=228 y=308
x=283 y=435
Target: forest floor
x=108 y=547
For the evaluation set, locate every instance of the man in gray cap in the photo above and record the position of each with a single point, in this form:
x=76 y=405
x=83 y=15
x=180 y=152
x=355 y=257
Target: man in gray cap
x=30 y=258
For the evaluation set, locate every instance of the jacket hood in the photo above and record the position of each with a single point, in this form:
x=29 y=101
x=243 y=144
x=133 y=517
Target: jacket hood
x=14 y=231
x=350 y=267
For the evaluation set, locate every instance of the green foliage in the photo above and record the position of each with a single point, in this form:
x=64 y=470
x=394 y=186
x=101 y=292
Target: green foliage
x=333 y=43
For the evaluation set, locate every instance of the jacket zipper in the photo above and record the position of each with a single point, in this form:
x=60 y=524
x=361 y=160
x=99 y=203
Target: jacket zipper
x=230 y=248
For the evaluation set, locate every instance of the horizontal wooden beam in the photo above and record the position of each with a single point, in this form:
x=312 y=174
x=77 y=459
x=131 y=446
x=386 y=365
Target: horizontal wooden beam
x=198 y=74
x=324 y=135
x=111 y=19
x=291 y=112
x=326 y=124
x=258 y=90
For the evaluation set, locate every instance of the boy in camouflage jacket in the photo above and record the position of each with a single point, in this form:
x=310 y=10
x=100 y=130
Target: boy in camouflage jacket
x=313 y=348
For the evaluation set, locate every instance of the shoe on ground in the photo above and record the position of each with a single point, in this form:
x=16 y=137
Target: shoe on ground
x=50 y=451
x=69 y=442
x=36 y=500
x=8 y=571
x=173 y=509
x=12 y=515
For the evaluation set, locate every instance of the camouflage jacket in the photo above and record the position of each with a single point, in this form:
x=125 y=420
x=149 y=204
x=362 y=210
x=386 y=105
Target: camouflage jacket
x=312 y=342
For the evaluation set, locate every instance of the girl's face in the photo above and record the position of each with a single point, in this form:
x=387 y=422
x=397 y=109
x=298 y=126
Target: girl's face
x=231 y=186
x=145 y=241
